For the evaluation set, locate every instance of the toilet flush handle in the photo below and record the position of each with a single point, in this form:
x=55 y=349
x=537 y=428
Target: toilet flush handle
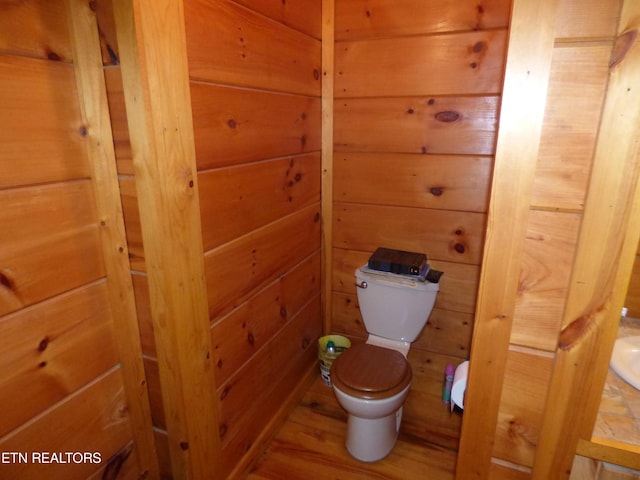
x=362 y=284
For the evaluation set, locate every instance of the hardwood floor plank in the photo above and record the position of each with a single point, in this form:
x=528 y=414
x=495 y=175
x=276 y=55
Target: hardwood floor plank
x=311 y=445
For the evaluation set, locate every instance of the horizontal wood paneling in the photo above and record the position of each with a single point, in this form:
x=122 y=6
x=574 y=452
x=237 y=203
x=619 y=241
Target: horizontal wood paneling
x=451 y=236
x=249 y=49
x=229 y=196
x=443 y=427
x=236 y=269
x=447 y=332
x=95 y=419
x=241 y=334
x=233 y=125
x=124 y=461
x=119 y=125
x=40 y=348
x=546 y=267
x=152 y=372
x=249 y=400
x=303 y=15
x=37 y=28
x=35 y=213
x=578 y=77
x=61 y=389
x=453 y=125
x=143 y=312
x=49 y=149
x=506 y=471
x=33 y=269
x=357 y=19
x=527 y=376
x=466 y=63
x=424 y=181
x=587 y=18
x=131 y=213
x=241 y=391
x=107 y=28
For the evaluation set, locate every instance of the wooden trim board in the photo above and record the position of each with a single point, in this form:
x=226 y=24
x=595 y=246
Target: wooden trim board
x=522 y=112
x=152 y=42
x=92 y=94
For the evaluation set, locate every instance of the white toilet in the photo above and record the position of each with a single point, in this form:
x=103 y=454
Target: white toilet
x=371 y=380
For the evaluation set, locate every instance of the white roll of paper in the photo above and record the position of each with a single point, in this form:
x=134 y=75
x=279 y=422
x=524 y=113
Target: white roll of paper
x=459 y=385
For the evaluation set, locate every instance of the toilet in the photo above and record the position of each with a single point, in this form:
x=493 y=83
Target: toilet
x=371 y=380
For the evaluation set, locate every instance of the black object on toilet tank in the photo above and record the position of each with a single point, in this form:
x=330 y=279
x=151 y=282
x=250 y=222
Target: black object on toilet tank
x=401 y=262
x=433 y=276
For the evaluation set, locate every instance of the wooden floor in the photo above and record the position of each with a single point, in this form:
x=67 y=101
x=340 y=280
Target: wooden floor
x=310 y=445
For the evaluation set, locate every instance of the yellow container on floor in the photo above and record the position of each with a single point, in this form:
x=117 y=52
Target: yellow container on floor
x=326 y=358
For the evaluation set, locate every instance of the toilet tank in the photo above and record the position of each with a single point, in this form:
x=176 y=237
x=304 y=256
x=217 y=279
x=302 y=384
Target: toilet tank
x=394 y=306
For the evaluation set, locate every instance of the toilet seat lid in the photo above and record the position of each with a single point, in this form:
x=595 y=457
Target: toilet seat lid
x=371 y=372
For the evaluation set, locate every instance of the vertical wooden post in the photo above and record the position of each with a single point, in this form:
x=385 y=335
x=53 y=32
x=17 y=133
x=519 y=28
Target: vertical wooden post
x=328 y=50
x=523 y=105
x=92 y=94
x=152 y=42
x=602 y=267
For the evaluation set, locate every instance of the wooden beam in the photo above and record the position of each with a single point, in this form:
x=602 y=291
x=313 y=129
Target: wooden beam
x=328 y=50
x=523 y=105
x=92 y=94
x=610 y=451
x=152 y=42
x=602 y=267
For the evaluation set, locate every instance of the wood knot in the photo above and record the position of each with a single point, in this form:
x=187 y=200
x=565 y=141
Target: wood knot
x=44 y=343
x=232 y=123
x=458 y=247
x=51 y=55
x=6 y=282
x=436 y=191
x=448 y=116
x=478 y=47
x=251 y=339
x=184 y=445
x=224 y=393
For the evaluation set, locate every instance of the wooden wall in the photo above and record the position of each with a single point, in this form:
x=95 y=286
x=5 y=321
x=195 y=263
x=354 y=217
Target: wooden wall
x=63 y=298
x=632 y=302
x=255 y=98
x=546 y=315
x=417 y=89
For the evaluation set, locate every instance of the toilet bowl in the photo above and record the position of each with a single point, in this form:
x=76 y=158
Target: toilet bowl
x=371 y=380
x=371 y=383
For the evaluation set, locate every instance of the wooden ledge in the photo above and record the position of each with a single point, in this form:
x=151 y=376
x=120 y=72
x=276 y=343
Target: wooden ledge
x=610 y=451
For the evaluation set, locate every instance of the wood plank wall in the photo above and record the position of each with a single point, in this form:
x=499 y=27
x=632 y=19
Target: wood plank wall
x=59 y=356
x=632 y=301
x=417 y=88
x=580 y=65
x=255 y=89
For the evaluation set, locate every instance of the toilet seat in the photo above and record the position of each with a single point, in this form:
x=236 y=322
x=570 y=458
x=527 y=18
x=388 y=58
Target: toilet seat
x=371 y=372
